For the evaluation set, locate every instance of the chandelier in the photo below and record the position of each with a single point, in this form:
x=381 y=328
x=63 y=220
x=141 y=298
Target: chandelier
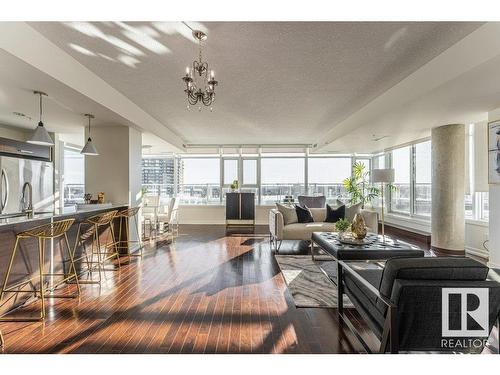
x=200 y=88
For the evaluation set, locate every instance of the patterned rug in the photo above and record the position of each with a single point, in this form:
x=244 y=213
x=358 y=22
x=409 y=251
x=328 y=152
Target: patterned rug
x=307 y=284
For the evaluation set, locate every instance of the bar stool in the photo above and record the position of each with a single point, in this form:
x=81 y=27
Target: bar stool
x=124 y=217
x=42 y=233
x=95 y=223
x=1 y=340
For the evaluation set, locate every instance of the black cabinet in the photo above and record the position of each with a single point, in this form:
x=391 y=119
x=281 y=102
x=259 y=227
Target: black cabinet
x=240 y=208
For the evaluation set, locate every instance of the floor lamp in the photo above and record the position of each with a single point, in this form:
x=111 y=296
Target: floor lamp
x=383 y=176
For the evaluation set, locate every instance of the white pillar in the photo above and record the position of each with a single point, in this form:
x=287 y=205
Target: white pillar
x=448 y=190
x=116 y=171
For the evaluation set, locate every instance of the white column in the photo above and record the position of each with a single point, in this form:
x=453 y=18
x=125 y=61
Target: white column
x=448 y=189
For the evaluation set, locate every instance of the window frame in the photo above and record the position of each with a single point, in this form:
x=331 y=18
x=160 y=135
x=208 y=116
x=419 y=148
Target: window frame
x=388 y=195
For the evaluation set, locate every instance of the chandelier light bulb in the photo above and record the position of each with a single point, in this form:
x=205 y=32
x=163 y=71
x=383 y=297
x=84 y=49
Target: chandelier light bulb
x=187 y=70
x=211 y=109
x=199 y=109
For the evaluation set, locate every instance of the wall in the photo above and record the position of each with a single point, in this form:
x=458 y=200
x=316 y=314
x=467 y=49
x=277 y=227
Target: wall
x=217 y=214
x=475 y=232
x=494 y=203
x=14 y=133
x=109 y=171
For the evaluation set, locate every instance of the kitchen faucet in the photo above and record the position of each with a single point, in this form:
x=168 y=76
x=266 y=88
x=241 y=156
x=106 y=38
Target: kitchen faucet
x=28 y=210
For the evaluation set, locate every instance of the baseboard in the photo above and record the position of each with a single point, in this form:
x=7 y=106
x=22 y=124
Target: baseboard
x=481 y=253
x=409 y=232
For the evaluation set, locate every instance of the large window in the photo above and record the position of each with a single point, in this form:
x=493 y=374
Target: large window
x=201 y=181
x=400 y=198
x=249 y=171
x=74 y=176
x=281 y=177
x=423 y=192
x=230 y=171
x=326 y=176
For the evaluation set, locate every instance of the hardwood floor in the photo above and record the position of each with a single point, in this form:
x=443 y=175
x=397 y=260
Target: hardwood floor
x=211 y=291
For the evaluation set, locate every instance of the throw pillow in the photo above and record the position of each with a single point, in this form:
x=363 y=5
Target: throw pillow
x=288 y=212
x=303 y=214
x=334 y=214
x=352 y=210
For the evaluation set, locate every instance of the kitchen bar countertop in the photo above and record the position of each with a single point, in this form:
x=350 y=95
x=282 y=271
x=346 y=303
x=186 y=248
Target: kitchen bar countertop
x=44 y=217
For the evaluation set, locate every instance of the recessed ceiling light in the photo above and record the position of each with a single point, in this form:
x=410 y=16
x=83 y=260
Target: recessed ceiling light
x=376 y=138
x=20 y=114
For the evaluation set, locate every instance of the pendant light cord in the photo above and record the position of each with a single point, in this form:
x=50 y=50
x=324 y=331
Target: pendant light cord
x=89 y=126
x=41 y=108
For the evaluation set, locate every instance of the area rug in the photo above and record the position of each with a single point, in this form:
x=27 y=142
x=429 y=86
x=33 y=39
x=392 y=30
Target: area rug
x=307 y=284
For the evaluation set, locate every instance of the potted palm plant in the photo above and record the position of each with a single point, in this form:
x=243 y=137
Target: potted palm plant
x=359 y=187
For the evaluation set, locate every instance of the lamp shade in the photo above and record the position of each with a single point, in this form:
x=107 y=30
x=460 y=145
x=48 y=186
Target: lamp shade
x=41 y=136
x=89 y=148
x=383 y=175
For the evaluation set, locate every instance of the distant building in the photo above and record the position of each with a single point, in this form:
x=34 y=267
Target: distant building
x=162 y=174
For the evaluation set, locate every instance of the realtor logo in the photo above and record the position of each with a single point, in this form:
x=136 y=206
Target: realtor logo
x=470 y=312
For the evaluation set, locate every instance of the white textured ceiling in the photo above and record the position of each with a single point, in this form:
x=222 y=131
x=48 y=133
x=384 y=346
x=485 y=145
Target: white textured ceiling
x=63 y=108
x=280 y=82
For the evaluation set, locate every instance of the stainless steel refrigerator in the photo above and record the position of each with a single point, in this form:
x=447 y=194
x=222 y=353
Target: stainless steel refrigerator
x=15 y=172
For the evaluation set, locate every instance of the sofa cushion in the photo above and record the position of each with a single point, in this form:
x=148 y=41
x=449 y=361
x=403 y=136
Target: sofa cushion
x=334 y=214
x=431 y=268
x=318 y=214
x=299 y=231
x=289 y=213
x=351 y=211
x=312 y=202
x=303 y=214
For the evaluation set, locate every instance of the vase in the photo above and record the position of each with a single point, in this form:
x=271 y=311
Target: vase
x=358 y=227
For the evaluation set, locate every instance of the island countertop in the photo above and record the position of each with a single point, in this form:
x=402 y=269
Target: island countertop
x=45 y=217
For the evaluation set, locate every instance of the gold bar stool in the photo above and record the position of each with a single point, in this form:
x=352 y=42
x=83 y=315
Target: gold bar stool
x=124 y=217
x=42 y=233
x=93 y=225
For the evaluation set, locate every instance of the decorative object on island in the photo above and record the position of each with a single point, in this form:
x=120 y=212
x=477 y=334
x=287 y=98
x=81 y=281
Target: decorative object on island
x=41 y=136
x=358 y=227
x=240 y=208
x=89 y=148
x=234 y=186
x=384 y=176
x=494 y=152
x=100 y=197
x=195 y=91
x=87 y=198
x=358 y=185
x=342 y=226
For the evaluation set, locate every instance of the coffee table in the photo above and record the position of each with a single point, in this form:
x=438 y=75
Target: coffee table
x=375 y=249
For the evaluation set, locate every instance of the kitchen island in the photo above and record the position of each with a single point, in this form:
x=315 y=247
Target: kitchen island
x=26 y=260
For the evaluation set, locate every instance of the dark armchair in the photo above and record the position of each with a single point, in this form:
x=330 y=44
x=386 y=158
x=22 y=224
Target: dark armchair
x=403 y=302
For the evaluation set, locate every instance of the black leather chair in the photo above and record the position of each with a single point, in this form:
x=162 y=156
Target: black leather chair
x=402 y=302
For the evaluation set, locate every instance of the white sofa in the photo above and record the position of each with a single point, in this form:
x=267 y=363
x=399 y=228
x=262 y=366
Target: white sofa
x=302 y=231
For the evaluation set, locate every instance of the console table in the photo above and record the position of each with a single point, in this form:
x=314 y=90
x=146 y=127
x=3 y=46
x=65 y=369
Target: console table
x=240 y=208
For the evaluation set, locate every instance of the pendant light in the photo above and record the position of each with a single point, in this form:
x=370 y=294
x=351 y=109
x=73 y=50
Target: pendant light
x=89 y=148
x=41 y=136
